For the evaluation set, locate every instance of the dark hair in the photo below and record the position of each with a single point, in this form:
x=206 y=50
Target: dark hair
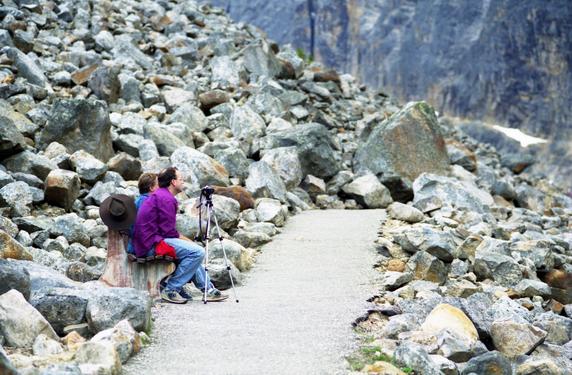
x=146 y=182
x=166 y=176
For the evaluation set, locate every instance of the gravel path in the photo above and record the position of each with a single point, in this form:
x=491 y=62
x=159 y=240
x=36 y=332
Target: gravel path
x=295 y=312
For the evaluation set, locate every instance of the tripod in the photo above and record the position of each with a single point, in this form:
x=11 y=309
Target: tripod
x=205 y=199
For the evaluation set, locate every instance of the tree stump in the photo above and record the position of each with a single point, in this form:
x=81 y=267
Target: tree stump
x=119 y=272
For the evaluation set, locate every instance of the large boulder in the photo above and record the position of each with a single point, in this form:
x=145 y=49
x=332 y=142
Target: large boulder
x=18 y=196
x=126 y=165
x=20 y=323
x=407 y=144
x=199 y=168
x=27 y=68
x=315 y=147
x=286 y=162
x=246 y=126
x=108 y=306
x=62 y=188
x=80 y=124
x=264 y=182
x=61 y=306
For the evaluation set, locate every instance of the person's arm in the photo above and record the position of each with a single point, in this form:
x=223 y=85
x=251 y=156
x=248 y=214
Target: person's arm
x=167 y=216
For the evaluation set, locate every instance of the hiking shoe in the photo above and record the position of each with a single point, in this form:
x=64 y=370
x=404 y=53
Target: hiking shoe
x=183 y=293
x=214 y=295
x=172 y=296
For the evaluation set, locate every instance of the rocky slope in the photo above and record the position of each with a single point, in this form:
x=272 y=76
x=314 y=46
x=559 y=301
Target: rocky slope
x=498 y=61
x=93 y=93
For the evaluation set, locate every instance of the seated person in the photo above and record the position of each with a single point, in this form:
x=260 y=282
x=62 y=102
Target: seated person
x=147 y=184
x=155 y=224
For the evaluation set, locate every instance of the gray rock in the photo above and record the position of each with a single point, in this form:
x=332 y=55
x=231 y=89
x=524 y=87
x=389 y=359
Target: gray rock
x=220 y=276
x=226 y=211
x=286 y=162
x=425 y=266
x=27 y=68
x=126 y=165
x=500 y=268
x=8 y=226
x=79 y=271
x=246 y=126
x=28 y=162
x=104 y=40
x=234 y=161
x=531 y=288
x=29 y=179
x=167 y=143
x=21 y=323
x=17 y=196
x=80 y=124
x=515 y=339
x=147 y=150
x=264 y=182
x=102 y=190
x=5 y=179
x=270 y=210
x=104 y=83
x=416 y=356
x=199 y=168
x=11 y=140
x=61 y=306
x=335 y=184
x=108 y=306
x=392 y=280
x=407 y=144
x=368 y=191
x=89 y=168
x=484 y=362
x=225 y=72
x=125 y=49
x=261 y=61
x=457 y=193
x=130 y=143
x=14 y=276
x=424 y=237
x=192 y=117
x=315 y=148
x=70 y=226
x=102 y=355
x=405 y=212
x=558 y=328
x=251 y=238
x=123 y=337
x=62 y=188
x=45 y=346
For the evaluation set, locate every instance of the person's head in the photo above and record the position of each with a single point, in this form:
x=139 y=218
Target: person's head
x=147 y=183
x=172 y=179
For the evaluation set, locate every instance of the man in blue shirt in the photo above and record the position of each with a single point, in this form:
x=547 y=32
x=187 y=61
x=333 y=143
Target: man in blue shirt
x=147 y=184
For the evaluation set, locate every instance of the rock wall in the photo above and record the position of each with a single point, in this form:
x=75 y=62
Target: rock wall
x=498 y=61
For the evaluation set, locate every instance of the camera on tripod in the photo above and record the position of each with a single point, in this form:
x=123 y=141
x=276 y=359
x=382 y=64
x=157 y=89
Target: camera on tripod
x=207 y=192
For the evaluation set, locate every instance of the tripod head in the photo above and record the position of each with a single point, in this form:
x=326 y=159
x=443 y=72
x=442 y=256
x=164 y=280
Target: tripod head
x=207 y=194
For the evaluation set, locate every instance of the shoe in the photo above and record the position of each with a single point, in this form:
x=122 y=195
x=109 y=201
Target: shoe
x=214 y=295
x=172 y=296
x=185 y=295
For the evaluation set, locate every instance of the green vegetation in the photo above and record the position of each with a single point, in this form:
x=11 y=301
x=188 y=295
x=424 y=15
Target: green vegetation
x=308 y=59
x=370 y=354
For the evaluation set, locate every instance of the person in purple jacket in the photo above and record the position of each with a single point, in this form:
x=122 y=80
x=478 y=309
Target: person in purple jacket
x=155 y=222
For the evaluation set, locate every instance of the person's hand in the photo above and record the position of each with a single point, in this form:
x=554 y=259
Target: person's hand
x=184 y=238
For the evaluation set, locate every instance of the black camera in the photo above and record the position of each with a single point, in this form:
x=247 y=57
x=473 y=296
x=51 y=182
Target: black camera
x=207 y=191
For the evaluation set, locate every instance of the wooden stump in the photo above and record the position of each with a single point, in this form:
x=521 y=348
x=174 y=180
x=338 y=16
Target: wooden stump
x=119 y=272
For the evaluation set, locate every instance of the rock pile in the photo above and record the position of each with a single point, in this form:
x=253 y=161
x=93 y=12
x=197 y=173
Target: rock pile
x=94 y=93
x=476 y=272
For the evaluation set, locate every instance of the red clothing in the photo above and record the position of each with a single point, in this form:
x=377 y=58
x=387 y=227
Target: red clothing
x=156 y=220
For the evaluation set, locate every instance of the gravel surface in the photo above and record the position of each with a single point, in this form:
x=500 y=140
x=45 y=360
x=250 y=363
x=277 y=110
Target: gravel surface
x=295 y=311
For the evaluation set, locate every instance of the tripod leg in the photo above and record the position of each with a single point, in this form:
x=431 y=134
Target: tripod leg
x=207 y=238
x=226 y=262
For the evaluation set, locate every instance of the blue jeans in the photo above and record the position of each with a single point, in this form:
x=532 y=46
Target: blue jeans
x=189 y=265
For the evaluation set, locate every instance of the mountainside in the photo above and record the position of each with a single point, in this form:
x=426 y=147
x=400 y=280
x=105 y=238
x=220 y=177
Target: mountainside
x=499 y=61
x=94 y=93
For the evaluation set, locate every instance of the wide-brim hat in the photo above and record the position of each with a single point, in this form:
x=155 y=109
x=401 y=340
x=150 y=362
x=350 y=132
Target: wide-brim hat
x=118 y=211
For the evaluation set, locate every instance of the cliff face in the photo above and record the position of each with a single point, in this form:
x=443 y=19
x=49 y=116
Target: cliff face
x=501 y=61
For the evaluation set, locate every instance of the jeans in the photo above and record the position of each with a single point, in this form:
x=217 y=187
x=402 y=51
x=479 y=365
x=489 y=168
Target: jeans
x=189 y=265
